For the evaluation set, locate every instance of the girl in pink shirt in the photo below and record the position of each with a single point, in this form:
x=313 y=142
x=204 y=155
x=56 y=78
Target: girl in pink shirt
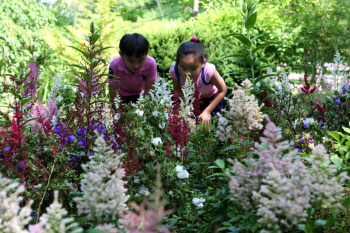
x=191 y=59
x=136 y=71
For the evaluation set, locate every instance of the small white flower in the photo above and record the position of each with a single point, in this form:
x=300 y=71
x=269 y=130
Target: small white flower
x=144 y=191
x=155 y=113
x=136 y=181
x=156 y=141
x=59 y=99
x=117 y=116
x=139 y=112
x=183 y=174
x=198 y=202
x=162 y=125
x=166 y=115
x=179 y=168
x=36 y=186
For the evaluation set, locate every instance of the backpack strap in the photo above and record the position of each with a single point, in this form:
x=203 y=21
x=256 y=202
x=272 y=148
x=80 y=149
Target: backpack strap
x=203 y=77
x=177 y=72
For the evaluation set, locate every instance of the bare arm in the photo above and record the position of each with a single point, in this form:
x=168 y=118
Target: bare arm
x=222 y=89
x=113 y=89
x=148 y=86
x=177 y=89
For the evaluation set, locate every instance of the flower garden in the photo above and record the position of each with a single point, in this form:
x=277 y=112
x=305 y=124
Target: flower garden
x=274 y=161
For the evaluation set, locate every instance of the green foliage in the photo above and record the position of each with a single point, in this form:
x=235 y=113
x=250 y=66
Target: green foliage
x=21 y=39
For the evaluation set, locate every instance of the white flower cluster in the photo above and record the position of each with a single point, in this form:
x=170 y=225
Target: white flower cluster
x=283 y=190
x=340 y=78
x=12 y=217
x=102 y=184
x=161 y=92
x=198 y=202
x=285 y=82
x=244 y=113
x=186 y=103
x=53 y=220
x=57 y=85
x=181 y=172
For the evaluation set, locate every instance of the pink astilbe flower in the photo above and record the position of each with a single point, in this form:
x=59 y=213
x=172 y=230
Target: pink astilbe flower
x=145 y=221
x=243 y=115
x=44 y=113
x=282 y=190
x=32 y=77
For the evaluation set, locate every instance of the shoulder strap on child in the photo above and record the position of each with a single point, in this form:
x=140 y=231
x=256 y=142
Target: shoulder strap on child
x=176 y=69
x=203 y=76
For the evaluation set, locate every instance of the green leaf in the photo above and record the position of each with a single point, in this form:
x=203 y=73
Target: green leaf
x=251 y=21
x=265 y=45
x=32 y=119
x=242 y=38
x=335 y=135
x=230 y=147
x=336 y=160
x=251 y=60
x=26 y=100
x=235 y=55
x=87 y=38
x=95 y=38
x=84 y=76
x=256 y=38
x=98 y=31
x=77 y=66
x=93 y=230
x=79 y=50
x=220 y=163
x=100 y=50
x=346 y=130
x=346 y=202
x=28 y=84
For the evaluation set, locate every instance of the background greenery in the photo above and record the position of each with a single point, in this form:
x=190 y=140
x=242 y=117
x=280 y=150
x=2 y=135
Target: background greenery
x=310 y=32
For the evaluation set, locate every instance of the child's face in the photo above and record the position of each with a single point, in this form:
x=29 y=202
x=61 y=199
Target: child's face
x=191 y=65
x=134 y=64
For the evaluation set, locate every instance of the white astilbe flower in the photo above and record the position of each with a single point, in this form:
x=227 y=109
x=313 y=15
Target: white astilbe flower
x=186 y=103
x=117 y=101
x=340 y=78
x=12 y=217
x=53 y=220
x=102 y=184
x=244 y=113
x=57 y=85
x=161 y=92
x=285 y=82
x=108 y=228
x=282 y=190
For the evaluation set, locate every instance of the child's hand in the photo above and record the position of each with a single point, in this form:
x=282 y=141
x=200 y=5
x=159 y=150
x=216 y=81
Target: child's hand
x=205 y=116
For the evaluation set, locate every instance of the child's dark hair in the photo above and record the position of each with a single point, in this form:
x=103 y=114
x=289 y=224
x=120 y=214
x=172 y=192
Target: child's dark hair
x=134 y=44
x=191 y=47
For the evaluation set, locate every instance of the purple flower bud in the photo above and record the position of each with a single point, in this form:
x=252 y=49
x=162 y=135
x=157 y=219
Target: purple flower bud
x=298 y=149
x=22 y=166
x=7 y=150
x=305 y=125
x=81 y=132
x=101 y=128
x=33 y=213
x=2 y=156
x=70 y=138
x=336 y=101
x=81 y=142
x=301 y=139
x=70 y=160
x=57 y=129
x=77 y=158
